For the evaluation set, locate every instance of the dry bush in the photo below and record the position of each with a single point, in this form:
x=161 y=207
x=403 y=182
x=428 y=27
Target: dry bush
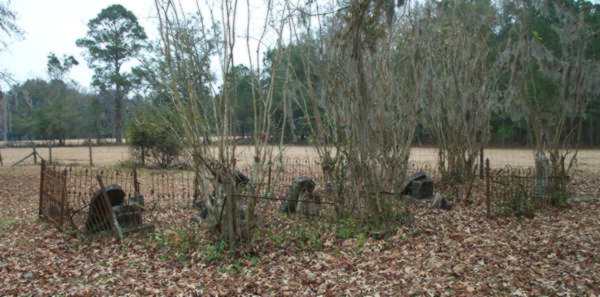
x=205 y=112
x=362 y=105
x=459 y=80
x=550 y=82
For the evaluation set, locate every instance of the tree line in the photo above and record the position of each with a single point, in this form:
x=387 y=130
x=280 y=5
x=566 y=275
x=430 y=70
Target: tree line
x=57 y=109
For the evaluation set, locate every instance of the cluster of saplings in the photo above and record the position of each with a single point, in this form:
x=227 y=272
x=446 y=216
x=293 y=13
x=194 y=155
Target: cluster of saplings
x=359 y=81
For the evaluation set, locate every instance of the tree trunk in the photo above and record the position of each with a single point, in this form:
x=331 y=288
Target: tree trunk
x=231 y=215
x=118 y=124
x=591 y=132
x=4 y=114
x=290 y=117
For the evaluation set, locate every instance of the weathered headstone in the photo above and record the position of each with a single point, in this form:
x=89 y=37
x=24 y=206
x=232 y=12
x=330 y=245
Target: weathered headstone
x=309 y=203
x=419 y=186
x=301 y=197
x=128 y=215
x=98 y=216
x=440 y=202
x=212 y=204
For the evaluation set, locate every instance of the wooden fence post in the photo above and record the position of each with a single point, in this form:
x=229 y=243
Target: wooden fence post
x=488 y=198
x=136 y=183
x=90 y=152
x=35 y=154
x=50 y=152
x=42 y=189
x=1 y=161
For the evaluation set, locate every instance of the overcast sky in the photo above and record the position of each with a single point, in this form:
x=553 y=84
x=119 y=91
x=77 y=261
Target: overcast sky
x=55 y=25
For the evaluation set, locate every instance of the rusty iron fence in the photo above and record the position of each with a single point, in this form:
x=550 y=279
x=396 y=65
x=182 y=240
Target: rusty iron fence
x=521 y=191
x=53 y=203
x=70 y=196
x=67 y=193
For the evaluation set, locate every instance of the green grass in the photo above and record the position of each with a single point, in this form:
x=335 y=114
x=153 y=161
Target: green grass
x=5 y=224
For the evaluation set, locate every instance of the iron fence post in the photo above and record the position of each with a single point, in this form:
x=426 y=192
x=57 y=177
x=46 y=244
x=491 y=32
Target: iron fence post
x=488 y=198
x=63 y=200
x=136 y=183
x=481 y=173
x=35 y=154
x=50 y=152
x=42 y=189
x=269 y=178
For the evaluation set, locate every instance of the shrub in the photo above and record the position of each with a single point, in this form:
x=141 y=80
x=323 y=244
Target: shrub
x=216 y=252
x=152 y=141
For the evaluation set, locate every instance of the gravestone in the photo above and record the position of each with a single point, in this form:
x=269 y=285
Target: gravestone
x=419 y=186
x=98 y=218
x=301 y=197
x=212 y=204
x=440 y=202
x=309 y=203
x=127 y=215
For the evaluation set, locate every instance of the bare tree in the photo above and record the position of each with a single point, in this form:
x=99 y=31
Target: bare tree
x=460 y=82
x=551 y=82
x=8 y=30
x=362 y=109
x=277 y=15
x=205 y=114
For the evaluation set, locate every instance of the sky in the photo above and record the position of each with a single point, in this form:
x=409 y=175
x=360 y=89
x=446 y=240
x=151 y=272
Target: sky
x=55 y=25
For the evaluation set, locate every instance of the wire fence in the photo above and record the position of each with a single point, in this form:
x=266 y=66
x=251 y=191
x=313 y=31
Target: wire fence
x=67 y=193
x=523 y=191
x=168 y=195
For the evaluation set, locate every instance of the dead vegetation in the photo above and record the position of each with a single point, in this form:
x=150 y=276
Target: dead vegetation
x=378 y=70
x=440 y=253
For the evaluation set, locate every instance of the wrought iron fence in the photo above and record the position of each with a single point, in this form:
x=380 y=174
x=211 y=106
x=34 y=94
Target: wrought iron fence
x=69 y=195
x=522 y=191
x=53 y=204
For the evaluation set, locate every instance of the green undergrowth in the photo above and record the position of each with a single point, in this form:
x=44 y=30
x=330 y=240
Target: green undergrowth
x=5 y=224
x=292 y=234
x=523 y=205
x=377 y=228
x=178 y=244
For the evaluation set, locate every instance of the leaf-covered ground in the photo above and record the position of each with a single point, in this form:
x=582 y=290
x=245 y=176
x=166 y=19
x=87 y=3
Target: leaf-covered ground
x=456 y=253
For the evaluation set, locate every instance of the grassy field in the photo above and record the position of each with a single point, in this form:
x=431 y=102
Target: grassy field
x=111 y=155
